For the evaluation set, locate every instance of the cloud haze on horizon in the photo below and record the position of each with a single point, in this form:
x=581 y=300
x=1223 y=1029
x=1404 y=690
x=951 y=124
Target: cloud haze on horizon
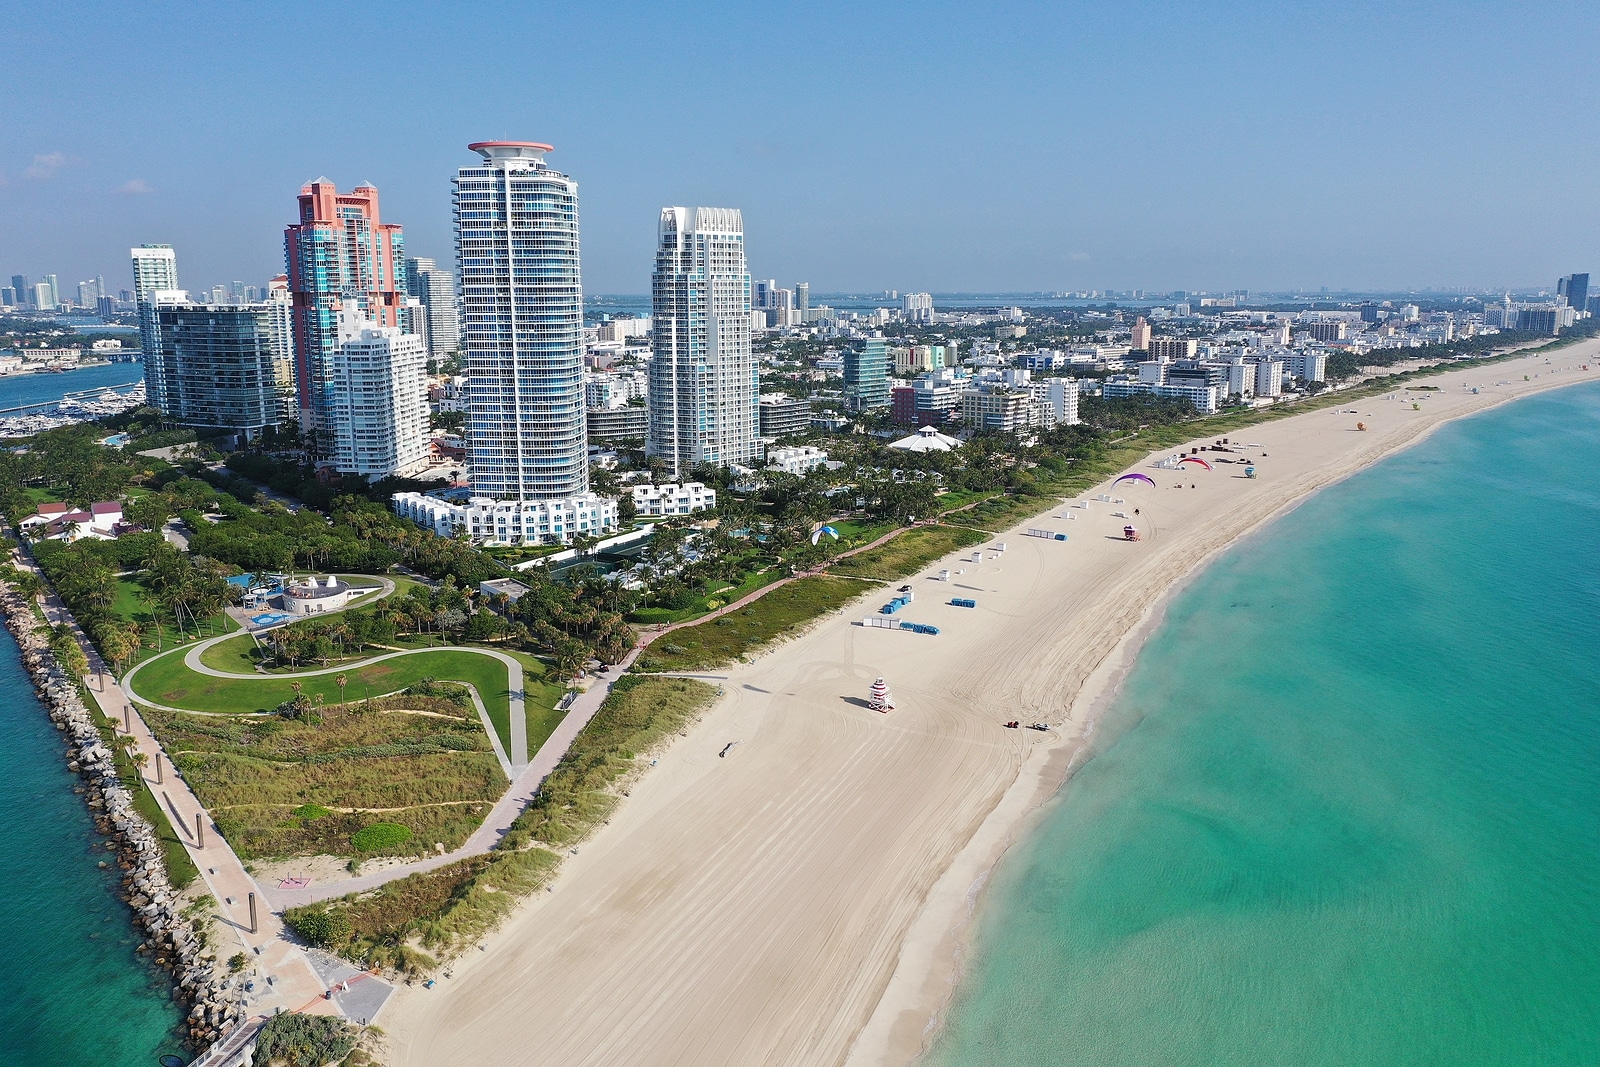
x=938 y=146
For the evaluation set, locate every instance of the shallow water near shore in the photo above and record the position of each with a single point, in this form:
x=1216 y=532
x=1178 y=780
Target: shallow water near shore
x=76 y=991
x=1345 y=809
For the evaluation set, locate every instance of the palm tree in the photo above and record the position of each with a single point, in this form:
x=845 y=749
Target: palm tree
x=341 y=681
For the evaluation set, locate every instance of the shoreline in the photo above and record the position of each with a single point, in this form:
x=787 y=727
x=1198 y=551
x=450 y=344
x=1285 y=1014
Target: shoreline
x=207 y=1004
x=940 y=971
x=821 y=886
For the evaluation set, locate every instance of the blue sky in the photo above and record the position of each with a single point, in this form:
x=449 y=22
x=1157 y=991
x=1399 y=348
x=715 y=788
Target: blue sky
x=1000 y=146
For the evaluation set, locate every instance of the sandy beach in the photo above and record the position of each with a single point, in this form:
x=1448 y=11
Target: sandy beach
x=802 y=899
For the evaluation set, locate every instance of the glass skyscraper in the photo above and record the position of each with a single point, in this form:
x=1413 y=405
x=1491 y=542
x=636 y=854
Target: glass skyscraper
x=704 y=391
x=516 y=223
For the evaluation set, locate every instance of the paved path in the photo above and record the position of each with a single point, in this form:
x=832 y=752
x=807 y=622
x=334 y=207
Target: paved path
x=511 y=762
x=285 y=978
x=503 y=814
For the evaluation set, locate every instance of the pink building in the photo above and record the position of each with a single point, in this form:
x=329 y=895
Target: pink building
x=338 y=251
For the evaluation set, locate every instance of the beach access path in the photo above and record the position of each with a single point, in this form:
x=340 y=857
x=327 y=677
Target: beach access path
x=798 y=898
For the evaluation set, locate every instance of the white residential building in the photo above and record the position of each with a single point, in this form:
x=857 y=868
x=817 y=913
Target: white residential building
x=673 y=498
x=917 y=307
x=516 y=231
x=1242 y=378
x=1060 y=402
x=1203 y=397
x=704 y=390
x=437 y=290
x=622 y=329
x=377 y=411
x=799 y=461
x=155 y=270
x=1308 y=363
x=1269 y=378
x=511 y=522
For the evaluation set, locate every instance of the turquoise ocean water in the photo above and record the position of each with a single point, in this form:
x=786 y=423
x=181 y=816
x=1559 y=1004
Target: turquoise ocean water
x=75 y=993
x=1346 y=808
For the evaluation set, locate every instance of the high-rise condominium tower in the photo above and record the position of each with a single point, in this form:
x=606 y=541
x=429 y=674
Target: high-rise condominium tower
x=155 y=270
x=340 y=257
x=704 y=395
x=437 y=291
x=522 y=324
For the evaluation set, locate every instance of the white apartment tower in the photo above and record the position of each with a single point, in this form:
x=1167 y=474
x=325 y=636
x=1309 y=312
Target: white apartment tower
x=516 y=224
x=378 y=410
x=437 y=291
x=704 y=394
x=155 y=270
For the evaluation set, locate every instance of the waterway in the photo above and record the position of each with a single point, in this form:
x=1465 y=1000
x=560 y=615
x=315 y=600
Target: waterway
x=76 y=992
x=18 y=389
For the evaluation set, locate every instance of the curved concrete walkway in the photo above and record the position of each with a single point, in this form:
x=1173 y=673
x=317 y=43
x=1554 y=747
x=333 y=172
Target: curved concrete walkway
x=512 y=762
x=500 y=817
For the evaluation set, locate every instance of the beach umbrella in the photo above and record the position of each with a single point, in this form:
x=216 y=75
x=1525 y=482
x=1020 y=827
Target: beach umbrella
x=1194 y=459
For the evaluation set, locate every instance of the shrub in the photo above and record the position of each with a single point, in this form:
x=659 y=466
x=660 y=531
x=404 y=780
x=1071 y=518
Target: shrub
x=318 y=926
x=380 y=837
x=311 y=812
x=304 y=1040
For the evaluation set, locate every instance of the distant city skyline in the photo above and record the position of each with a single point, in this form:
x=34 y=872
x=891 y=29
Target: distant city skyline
x=934 y=147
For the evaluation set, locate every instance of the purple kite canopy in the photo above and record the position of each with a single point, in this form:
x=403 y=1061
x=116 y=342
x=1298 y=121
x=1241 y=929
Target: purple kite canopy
x=1135 y=478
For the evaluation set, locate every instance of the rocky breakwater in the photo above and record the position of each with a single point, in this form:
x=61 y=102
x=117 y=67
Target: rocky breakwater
x=214 y=999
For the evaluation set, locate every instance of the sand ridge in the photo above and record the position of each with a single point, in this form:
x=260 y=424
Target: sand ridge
x=798 y=901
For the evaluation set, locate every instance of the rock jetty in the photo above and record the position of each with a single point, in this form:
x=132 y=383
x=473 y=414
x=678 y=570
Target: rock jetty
x=213 y=997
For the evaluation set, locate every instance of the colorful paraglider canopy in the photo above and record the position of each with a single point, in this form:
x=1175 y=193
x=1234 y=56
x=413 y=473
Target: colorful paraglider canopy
x=1145 y=478
x=1194 y=459
x=829 y=530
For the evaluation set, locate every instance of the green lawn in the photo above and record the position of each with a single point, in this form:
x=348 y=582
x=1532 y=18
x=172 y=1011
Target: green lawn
x=180 y=868
x=167 y=681
x=908 y=553
x=130 y=605
x=722 y=640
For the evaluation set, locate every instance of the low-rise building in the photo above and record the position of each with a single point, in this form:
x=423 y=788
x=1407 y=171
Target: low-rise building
x=1203 y=397
x=311 y=597
x=629 y=423
x=673 y=498
x=510 y=522
x=797 y=461
x=927 y=439
x=986 y=406
x=509 y=588
x=784 y=416
x=61 y=522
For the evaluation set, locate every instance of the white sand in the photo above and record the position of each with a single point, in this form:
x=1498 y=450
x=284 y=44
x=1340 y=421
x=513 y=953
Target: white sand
x=800 y=901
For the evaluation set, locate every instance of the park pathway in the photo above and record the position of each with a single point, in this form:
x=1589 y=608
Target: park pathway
x=511 y=762
x=285 y=978
x=523 y=789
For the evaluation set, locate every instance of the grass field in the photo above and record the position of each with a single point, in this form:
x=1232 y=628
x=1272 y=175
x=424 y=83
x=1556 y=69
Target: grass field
x=908 y=553
x=422 y=763
x=725 y=639
x=168 y=681
x=180 y=868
